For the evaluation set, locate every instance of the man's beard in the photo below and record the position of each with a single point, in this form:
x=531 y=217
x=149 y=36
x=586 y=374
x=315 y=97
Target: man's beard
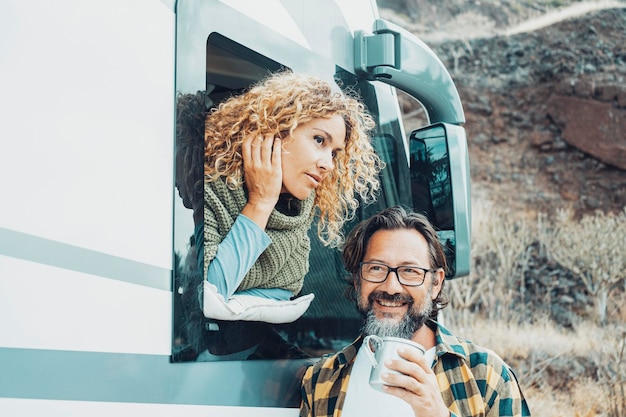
x=404 y=328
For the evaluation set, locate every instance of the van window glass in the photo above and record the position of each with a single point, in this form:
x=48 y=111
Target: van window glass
x=331 y=321
x=432 y=185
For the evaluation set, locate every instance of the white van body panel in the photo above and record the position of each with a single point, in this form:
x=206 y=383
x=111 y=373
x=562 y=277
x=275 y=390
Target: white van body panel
x=37 y=312
x=56 y=408
x=86 y=110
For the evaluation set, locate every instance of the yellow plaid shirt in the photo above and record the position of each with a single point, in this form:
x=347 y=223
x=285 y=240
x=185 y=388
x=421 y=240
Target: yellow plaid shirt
x=474 y=381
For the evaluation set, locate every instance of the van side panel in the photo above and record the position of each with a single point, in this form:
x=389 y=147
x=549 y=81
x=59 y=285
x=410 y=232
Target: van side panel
x=51 y=408
x=86 y=171
x=86 y=121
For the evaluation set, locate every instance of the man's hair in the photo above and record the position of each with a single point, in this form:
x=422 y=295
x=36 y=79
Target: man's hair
x=394 y=218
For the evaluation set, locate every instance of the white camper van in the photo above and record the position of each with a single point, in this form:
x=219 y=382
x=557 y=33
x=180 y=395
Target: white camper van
x=94 y=313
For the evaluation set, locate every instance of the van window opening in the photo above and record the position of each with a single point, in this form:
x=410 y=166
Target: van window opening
x=331 y=320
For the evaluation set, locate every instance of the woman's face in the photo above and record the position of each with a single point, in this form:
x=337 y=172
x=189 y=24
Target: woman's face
x=309 y=153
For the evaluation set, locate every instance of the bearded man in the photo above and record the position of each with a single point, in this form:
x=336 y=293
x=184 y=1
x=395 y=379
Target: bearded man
x=398 y=268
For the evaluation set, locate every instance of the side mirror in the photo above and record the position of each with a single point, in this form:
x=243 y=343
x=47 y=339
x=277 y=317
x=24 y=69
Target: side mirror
x=440 y=188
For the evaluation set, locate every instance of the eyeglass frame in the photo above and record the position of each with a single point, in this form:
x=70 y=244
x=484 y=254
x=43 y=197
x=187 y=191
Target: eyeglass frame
x=395 y=270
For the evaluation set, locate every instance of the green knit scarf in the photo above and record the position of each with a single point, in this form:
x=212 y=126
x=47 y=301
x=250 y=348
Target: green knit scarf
x=285 y=261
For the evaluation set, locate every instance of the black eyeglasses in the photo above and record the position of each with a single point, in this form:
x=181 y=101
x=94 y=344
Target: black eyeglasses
x=409 y=275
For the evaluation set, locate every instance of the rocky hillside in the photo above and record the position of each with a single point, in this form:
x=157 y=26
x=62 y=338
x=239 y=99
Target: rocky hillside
x=544 y=92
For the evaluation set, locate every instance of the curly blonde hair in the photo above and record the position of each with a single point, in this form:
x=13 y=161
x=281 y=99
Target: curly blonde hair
x=278 y=105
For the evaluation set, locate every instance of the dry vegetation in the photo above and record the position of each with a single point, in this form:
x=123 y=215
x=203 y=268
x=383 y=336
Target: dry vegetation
x=572 y=369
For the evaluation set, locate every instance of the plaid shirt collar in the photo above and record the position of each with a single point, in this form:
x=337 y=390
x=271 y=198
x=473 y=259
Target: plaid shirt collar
x=446 y=343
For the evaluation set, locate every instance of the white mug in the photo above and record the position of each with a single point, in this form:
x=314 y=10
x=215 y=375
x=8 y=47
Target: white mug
x=381 y=349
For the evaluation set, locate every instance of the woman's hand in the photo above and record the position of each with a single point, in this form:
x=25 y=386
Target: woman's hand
x=417 y=386
x=263 y=176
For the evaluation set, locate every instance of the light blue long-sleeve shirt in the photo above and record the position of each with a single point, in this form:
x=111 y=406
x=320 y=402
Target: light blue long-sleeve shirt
x=235 y=255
